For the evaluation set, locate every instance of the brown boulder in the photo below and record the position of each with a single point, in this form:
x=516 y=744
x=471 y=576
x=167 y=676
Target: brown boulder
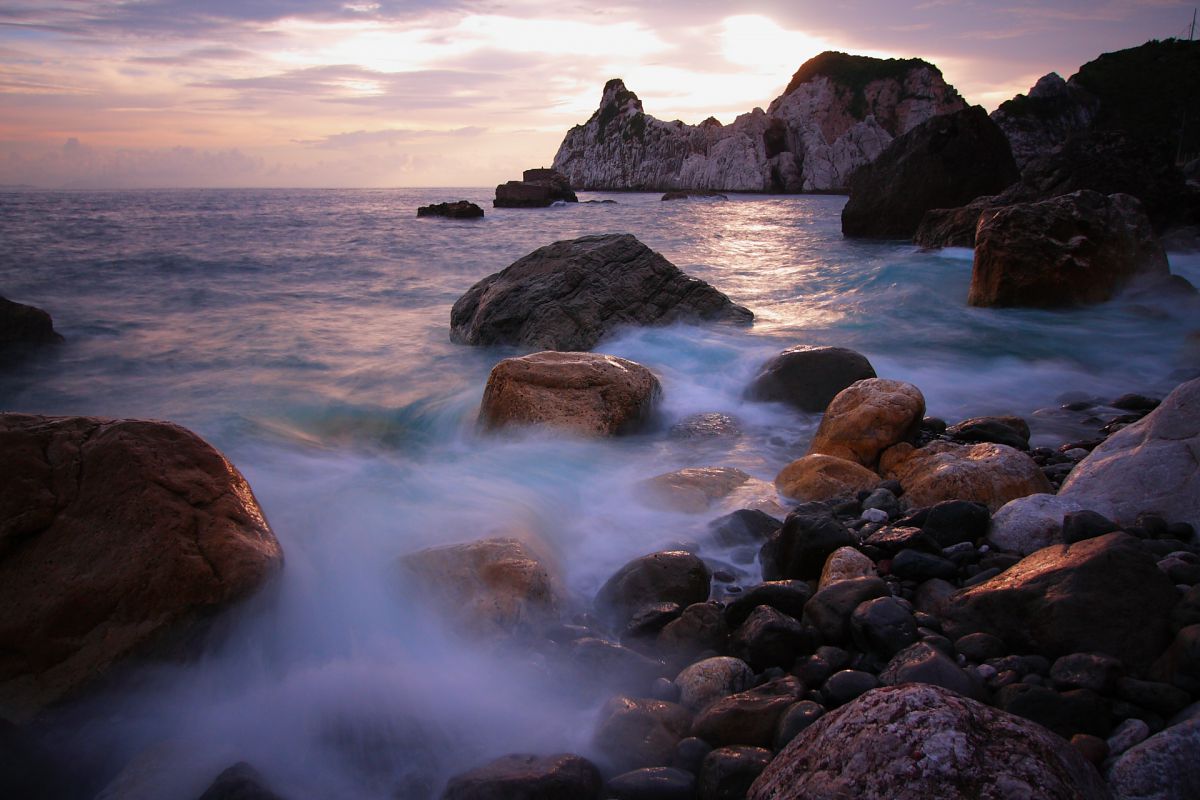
x=459 y=209
x=537 y=188
x=491 y=587
x=868 y=417
x=1101 y=595
x=916 y=741
x=585 y=393
x=952 y=227
x=748 y=717
x=634 y=733
x=559 y=777
x=112 y=534
x=819 y=477
x=991 y=474
x=669 y=576
x=1075 y=249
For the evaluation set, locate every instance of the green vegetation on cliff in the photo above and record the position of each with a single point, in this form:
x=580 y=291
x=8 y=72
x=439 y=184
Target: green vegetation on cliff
x=855 y=72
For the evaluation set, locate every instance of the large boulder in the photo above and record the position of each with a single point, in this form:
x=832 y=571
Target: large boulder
x=559 y=777
x=1162 y=767
x=1071 y=250
x=537 y=188
x=867 y=418
x=946 y=161
x=1148 y=466
x=952 y=227
x=991 y=474
x=113 y=534
x=570 y=294
x=917 y=741
x=488 y=588
x=809 y=377
x=1101 y=595
x=819 y=477
x=810 y=533
x=22 y=325
x=584 y=393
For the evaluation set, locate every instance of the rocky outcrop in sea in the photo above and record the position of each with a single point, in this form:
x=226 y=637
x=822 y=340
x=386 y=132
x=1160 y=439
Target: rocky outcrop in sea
x=838 y=112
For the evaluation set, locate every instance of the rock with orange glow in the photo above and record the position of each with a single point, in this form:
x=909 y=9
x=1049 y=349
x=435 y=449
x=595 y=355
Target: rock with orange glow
x=868 y=417
x=113 y=535
x=987 y=473
x=584 y=393
x=838 y=113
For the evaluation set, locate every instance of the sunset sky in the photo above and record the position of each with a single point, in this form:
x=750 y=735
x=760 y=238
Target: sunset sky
x=157 y=93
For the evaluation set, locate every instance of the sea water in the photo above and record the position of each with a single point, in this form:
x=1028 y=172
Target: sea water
x=306 y=335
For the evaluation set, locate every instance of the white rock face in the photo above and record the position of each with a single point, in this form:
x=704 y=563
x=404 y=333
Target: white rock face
x=811 y=138
x=1029 y=523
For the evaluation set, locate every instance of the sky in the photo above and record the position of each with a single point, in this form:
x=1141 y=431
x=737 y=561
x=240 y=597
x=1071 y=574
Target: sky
x=384 y=93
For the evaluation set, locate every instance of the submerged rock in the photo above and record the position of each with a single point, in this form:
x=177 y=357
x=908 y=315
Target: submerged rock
x=838 y=112
x=570 y=294
x=635 y=733
x=113 y=534
x=460 y=209
x=945 y=162
x=584 y=393
x=809 y=377
x=491 y=587
x=1148 y=466
x=1074 y=249
x=920 y=741
x=25 y=325
x=702 y=195
x=537 y=188
x=694 y=490
x=671 y=576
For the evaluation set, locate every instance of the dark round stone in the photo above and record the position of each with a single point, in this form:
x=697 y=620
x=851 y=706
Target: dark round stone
x=844 y=686
x=809 y=377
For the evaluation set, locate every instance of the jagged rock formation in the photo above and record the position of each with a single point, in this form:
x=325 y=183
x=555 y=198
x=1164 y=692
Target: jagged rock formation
x=1041 y=121
x=838 y=112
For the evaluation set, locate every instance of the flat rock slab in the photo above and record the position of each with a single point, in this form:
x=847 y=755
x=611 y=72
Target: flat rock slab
x=584 y=393
x=916 y=742
x=570 y=294
x=112 y=534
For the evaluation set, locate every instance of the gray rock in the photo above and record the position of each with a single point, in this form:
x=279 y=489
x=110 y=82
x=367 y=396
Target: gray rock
x=838 y=112
x=829 y=609
x=711 y=679
x=570 y=294
x=1030 y=523
x=1161 y=768
x=1126 y=735
x=672 y=576
x=1148 y=466
x=809 y=377
x=918 y=741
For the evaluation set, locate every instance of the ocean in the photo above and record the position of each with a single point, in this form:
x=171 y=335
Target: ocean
x=305 y=333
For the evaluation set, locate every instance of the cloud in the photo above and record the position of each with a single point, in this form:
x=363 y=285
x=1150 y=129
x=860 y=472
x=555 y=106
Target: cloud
x=354 y=139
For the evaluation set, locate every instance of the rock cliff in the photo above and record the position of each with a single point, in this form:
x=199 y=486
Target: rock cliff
x=838 y=112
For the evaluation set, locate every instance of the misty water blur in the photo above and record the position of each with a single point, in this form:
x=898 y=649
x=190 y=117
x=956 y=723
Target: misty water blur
x=305 y=334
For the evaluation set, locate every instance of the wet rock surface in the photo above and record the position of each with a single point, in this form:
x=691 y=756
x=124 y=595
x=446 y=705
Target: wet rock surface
x=570 y=294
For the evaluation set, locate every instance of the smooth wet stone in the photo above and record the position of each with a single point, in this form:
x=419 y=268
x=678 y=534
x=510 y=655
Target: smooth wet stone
x=991 y=474
x=787 y=597
x=883 y=626
x=632 y=733
x=918 y=742
x=728 y=772
x=1095 y=671
x=809 y=377
x=588 y=394
x=1030 y=523
x=921 y=663
x=652 y=783
x=117 y=535
x=845 y=685
x=1012 y=431
x=798 y=550
x=557 y=777
x=749 y=717
x=917 y=566
x=798 y=717
x=744 y=526
x=822 y=477
x=769 y=638
x=867 y=418
x=671 y=576
x=953 y=521
x=843 y=564
x=1065 y=713
x=709 y=680
x=830 y=609
x=700 y=628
